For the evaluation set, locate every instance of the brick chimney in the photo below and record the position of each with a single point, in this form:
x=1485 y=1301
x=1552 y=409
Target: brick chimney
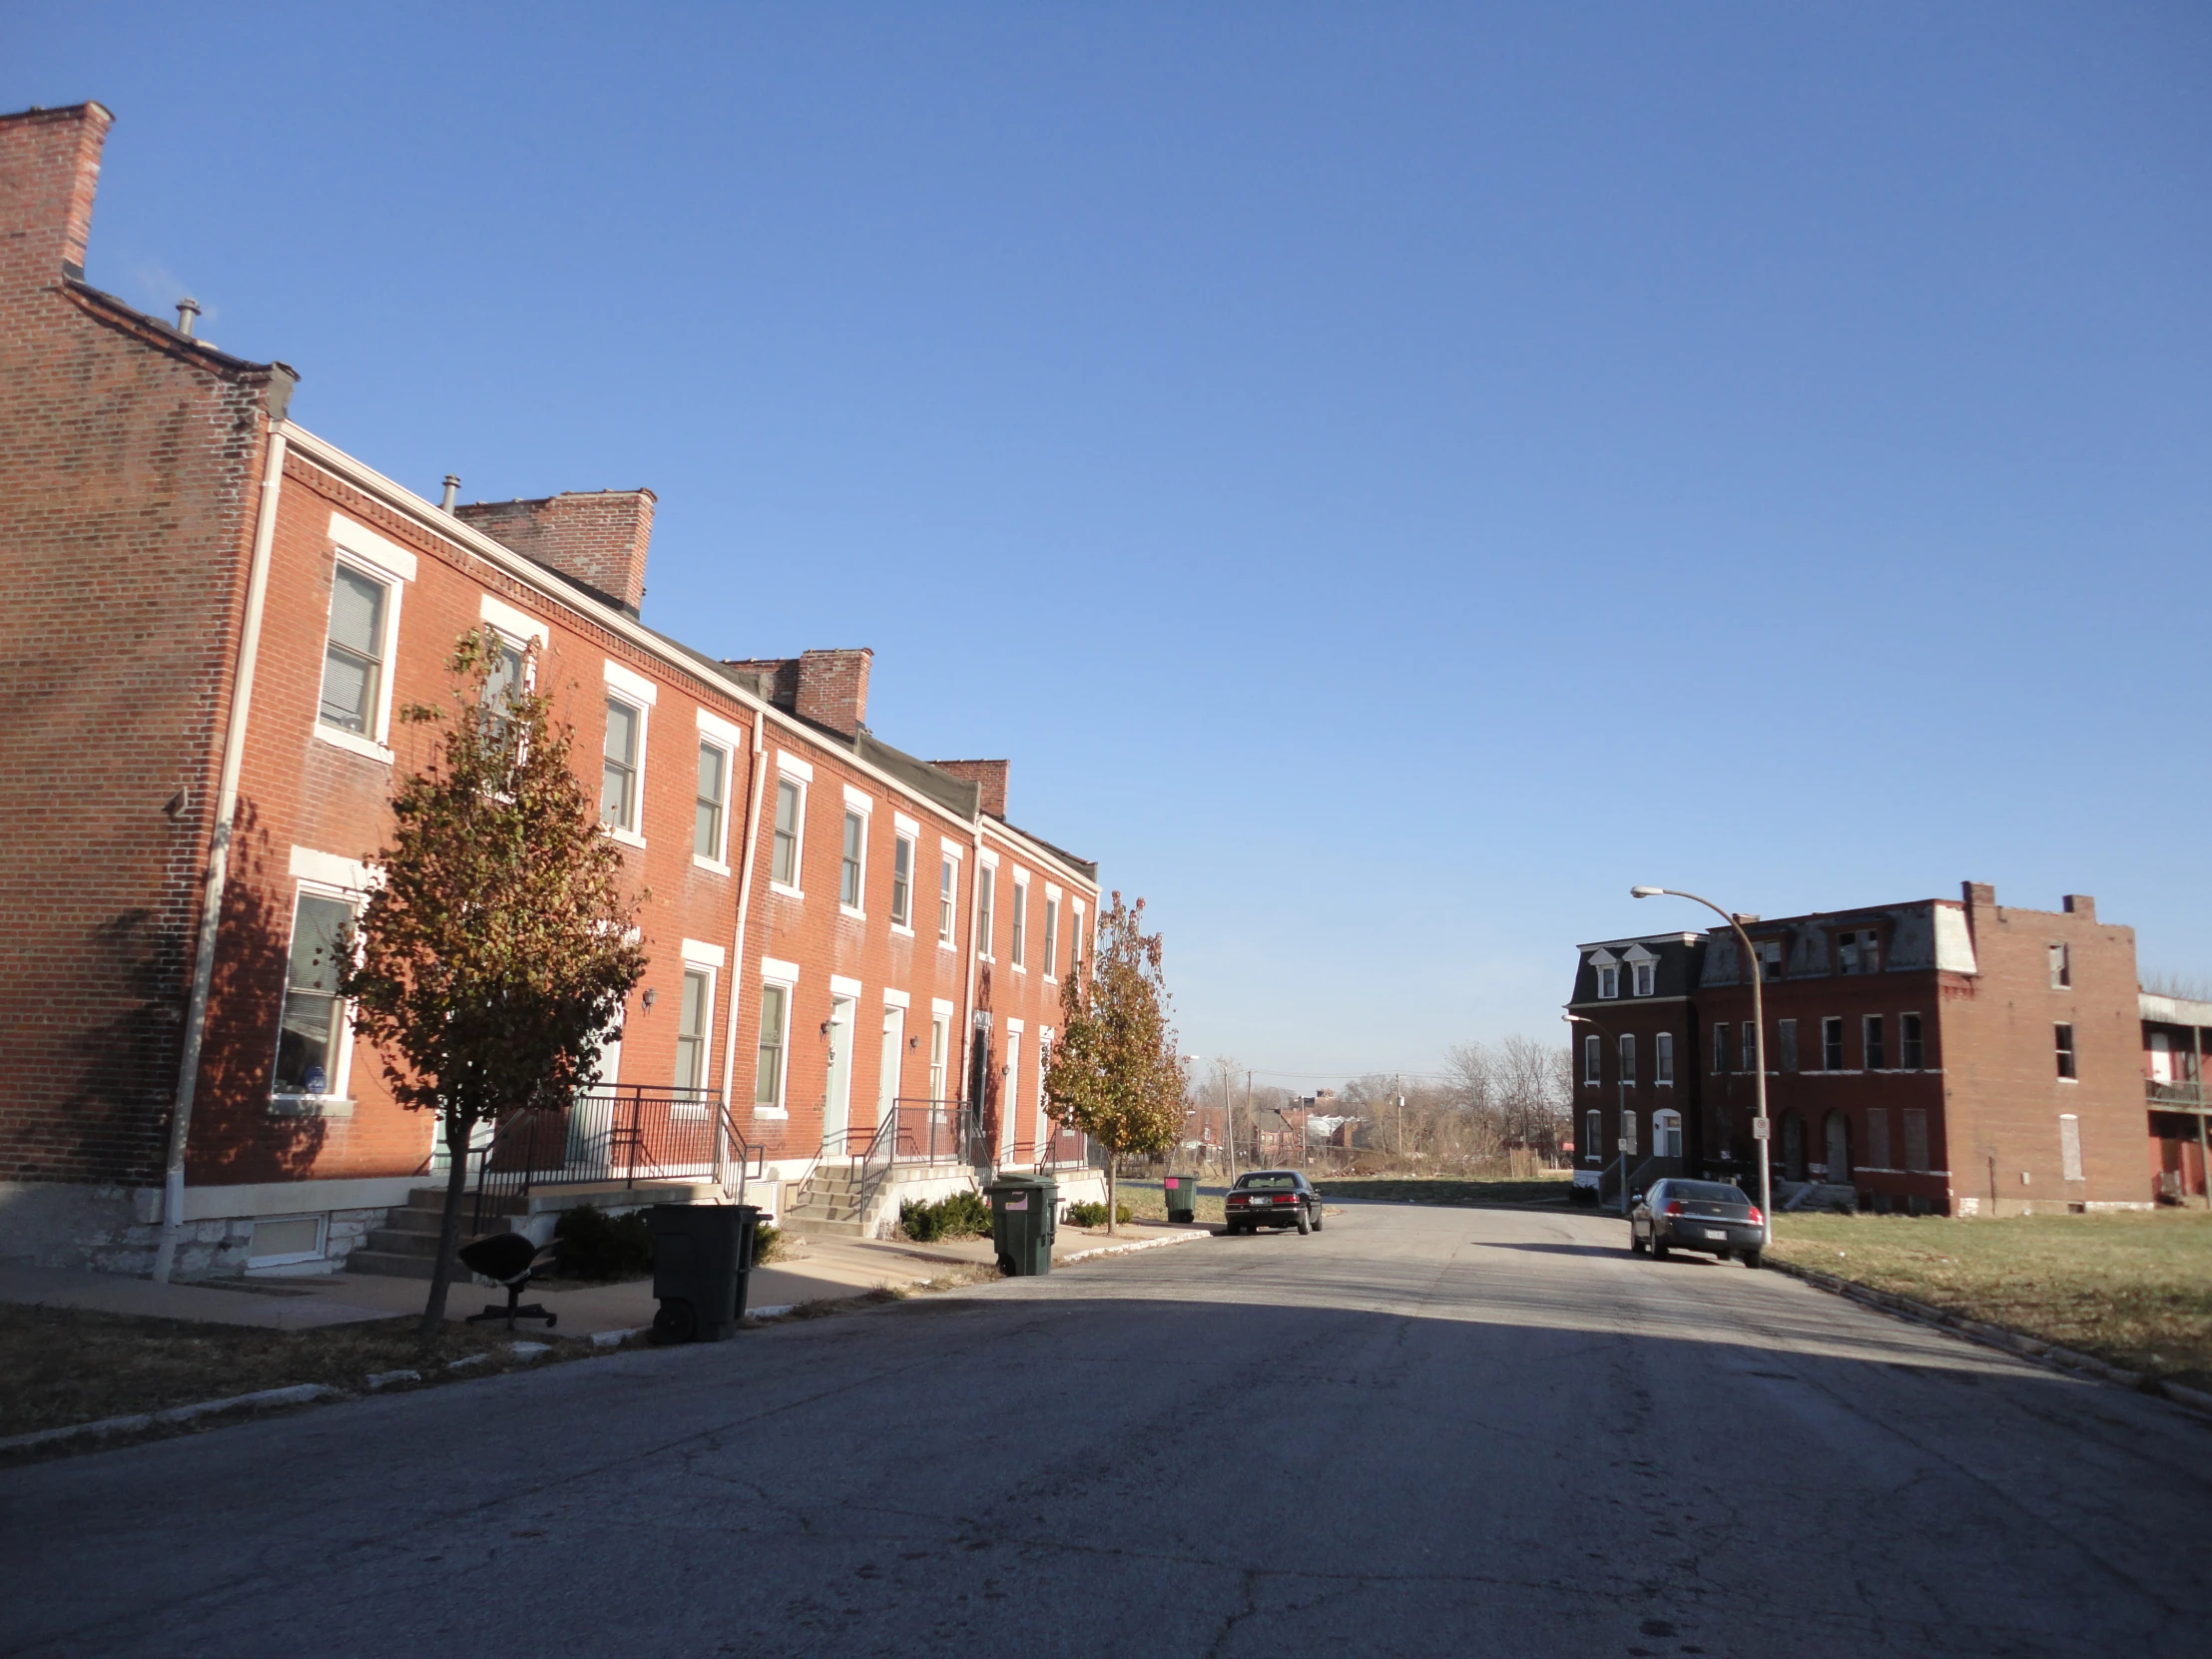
x=597 y=538
x=833 y=689
x=778 y=678
x=49 y=170
x=988 y=776
x=2080 y=904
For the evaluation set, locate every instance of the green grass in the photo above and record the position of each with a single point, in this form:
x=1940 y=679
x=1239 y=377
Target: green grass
x=2135 y=1290
x=1149 y=1202
x=1475 y=1193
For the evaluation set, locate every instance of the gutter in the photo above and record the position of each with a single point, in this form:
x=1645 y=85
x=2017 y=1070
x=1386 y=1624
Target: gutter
x=737 y=944
x=218 y=856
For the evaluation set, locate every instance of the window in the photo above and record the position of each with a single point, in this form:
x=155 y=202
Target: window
x=1628 y=1058
x=692 y=1019
x=2065 y=1034
x=618 y=776
x=1750 y=1054
x=986 y=880
x=1770 y=960
x=353 y=654
x=1785 y=1042
x=2069 y=1147
x=1021 y=925
x=767 y=1078
x=1051 y=934
x=314 y=1025
x=1593 y=1060
x=1608 y=982
x=508 y=680
x=1662 y=1057
x=2061 y=968
x=1832 y=1044
x=1916 y=1140
x=940 y=1036
x=855 y=851
x=1909 y=1042
x=1593 y=1131
x=1720 y=1045
x=714 y=794
x=1859 y=952
x=1640 y=977
x=947 y=888
x=1628 y=1133
x=790 y=806
x=902 y=881
x=1872 y=1042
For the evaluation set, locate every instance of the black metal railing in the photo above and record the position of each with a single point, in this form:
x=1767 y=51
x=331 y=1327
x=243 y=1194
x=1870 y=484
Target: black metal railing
x=616 y=1133
x=915 y=1130
x=2173 y=1094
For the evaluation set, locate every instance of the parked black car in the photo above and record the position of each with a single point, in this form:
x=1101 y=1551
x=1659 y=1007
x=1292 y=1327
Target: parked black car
x=1273 y=1197
x=1698 y=1215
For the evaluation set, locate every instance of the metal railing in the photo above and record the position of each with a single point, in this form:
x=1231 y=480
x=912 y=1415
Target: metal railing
x=617 y=1133
x=2173 y=1094
x=917 y=1130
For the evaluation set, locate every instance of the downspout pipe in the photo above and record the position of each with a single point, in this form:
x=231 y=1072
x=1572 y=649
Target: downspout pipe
x=219 y=858
x=736 y=944
x=968 y=1067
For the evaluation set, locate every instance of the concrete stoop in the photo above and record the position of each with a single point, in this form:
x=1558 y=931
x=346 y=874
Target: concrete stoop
x=835 y=1203
x=406 y=1246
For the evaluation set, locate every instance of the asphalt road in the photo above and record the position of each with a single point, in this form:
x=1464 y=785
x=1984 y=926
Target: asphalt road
x=1419 y=1431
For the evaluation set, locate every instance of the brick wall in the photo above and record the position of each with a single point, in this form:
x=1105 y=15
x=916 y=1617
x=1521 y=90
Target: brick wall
x=599 y=537
x=988 y=776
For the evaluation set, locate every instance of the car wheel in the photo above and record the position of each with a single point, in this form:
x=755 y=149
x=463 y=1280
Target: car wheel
x=1659 y=1248
x=1752 y=1258
x=1305 y=1222
x=1317 y=1217
x=1635 y=1245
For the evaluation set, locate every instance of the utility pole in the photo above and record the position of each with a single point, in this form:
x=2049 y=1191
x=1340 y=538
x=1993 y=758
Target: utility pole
x=1397 y=1088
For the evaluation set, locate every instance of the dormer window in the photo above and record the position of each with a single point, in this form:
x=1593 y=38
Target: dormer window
x=1608 y=982
x=1859 y=952
x=1770 y=960
x=1640 y=979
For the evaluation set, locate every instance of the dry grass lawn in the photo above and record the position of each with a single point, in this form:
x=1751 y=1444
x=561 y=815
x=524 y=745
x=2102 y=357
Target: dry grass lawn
x=2136 y=1289
x=1474 y=1193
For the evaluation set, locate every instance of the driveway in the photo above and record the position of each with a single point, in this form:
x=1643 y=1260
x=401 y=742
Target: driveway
x=1419 y=1431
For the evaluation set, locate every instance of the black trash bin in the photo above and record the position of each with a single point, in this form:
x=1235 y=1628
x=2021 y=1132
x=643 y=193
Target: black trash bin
x=1025 y=1217
x=702 y=1258
x=1182 y=1191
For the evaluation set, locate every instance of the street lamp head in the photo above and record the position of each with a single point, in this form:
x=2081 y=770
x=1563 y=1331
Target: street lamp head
x=1646 y=893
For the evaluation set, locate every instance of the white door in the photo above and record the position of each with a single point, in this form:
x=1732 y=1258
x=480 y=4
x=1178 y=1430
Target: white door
x=837 y=1106
x=1009 y=1098
x=887 y=1078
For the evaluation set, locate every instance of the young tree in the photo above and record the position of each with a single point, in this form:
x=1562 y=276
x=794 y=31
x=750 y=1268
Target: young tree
x=1114 y=1072
x=497 y=949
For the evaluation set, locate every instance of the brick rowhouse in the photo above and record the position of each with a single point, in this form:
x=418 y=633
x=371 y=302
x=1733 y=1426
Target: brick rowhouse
x=1945 y=1056
x=815 y=900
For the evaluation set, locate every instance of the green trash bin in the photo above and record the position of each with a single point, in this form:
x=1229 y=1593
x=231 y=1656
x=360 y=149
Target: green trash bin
x=702 y=1260
x=1026 y=1217
x=1182 y=1191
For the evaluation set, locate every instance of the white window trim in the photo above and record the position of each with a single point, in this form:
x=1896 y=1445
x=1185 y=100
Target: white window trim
x=630 y=682
x=897 y=998
x=785 y=977
x=517 y=627
x=985 y=919
x=948 y=849
x=378 y=747
x=700 y=954
x=1054 y=904
x=839 y=985
x=1018 y=959
x=903 y=828
x=329 y=1104
x=350 y=876
x=778 y=972
x=617 y=693
x=719 y=865
x=941 y=1005
x=322 y=1220
x=1013 y=1027
x=795 y=887
x=365 y=543
x=860 y=802
x=711 y=968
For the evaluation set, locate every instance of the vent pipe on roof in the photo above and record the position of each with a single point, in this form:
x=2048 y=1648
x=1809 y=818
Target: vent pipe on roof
x=187 y=309
x=452 y=492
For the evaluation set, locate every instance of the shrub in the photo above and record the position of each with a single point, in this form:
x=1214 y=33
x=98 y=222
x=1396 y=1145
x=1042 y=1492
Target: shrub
x=1094 y=1214
x=959 y=1215
x=593 y=1245
x=768 y=1244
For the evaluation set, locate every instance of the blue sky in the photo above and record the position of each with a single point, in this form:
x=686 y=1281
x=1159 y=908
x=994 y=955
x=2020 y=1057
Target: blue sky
x=1391 y=477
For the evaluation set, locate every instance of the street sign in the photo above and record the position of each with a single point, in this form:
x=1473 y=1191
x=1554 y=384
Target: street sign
x=1759 y=1128
x=1624 y=1144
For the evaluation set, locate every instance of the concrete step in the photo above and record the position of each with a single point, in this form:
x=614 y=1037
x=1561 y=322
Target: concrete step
x=809 y=1226
x=391 y=1265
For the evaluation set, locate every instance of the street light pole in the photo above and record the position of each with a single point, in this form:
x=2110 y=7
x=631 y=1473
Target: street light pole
x=1759 y=1126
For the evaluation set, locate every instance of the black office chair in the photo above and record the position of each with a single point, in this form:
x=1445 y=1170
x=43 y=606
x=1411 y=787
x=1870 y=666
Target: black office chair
x=511 y=1260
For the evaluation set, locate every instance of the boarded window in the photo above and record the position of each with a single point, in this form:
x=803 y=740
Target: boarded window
x=1878 y=1137
x=1916 y=1140
x=1720 y=1046
x=1751 y=1055
x=1785 y=1042
x=2069 y=1146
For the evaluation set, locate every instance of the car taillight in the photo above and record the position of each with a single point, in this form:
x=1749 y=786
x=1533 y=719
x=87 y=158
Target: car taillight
x=1675 y=1208
x=1756 y=1219
x=1238 y=1198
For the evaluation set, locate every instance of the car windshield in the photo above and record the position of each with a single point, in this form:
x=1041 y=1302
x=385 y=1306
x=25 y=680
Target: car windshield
x=1705 y=1192
x=1268 y=1183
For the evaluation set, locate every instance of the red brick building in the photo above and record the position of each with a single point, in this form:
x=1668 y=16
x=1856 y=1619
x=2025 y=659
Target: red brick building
x=213 y=617
x=1945 y=1056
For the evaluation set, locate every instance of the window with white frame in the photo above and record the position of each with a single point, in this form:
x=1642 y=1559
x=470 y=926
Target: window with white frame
x=1662 y=1057
x=940 y=1037
x=1608 y=982
x=902 y=881
x=713 y=802
x=1593 y=1060
x=1628 y=1058
x=987 y=884
x=356 y=653
x=1019 y=944
x=1640 y=979
x=311 y=1037
x=694 y=1021
x=508 y=679
x=2064 y=1035
x=1832 y=1044
x=2061 y=968
x=790 y=814
x=852 y=868
x=948 y=886
x=1874 y=1042
x=1910 y=1054
x=1593 y=1132
x=767 y=1075
x=621 y=765
x=1051 y=931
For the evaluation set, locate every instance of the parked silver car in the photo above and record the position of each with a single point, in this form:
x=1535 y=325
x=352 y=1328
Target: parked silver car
x=1698 y=1215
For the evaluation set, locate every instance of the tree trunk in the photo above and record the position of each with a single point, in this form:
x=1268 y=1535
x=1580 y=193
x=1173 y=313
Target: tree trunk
x=1111 y=1213
x=449 y=1228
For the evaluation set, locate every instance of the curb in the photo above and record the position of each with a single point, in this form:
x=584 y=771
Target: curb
x=1126 y=1249
x=2014 y=1343
x=299 y=1393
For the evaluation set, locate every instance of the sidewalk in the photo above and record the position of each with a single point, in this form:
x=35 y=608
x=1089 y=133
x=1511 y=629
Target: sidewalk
x=817 y=1270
